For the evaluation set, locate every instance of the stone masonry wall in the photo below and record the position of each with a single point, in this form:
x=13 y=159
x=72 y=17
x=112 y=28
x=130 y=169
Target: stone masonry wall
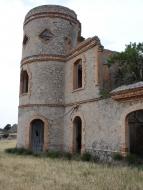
x=46 y=83
x=103 y=125
x=53 y=133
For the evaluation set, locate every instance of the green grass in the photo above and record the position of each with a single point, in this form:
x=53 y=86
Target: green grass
x=20 y=172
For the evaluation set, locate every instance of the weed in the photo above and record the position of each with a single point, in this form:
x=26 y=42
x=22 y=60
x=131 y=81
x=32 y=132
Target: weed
x=86 y=156
x=117 y=157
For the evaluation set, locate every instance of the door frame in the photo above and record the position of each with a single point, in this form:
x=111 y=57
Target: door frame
x=77 y=129
x=40 y=130
x=28 y=131
x=83 y=132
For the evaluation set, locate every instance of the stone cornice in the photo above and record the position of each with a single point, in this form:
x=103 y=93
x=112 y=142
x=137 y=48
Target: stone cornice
x=39 y=105
x=43 y=57
x=82 y=47
x=51 y=15
x=126 y=95
x=62 y=105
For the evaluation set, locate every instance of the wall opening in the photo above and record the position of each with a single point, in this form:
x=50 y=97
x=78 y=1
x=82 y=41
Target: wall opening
x=77 y=75
x=77 y=135
x=24 y=79
x=135 y=132
x=37 y=135
x=25 y=40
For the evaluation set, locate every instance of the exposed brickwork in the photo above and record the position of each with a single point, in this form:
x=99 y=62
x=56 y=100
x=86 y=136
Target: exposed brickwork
x=128 y=94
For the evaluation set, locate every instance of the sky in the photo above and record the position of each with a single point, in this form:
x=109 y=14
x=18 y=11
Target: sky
x=116 y=23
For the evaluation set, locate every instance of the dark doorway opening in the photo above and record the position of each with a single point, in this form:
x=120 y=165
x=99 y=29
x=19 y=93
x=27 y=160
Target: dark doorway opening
x=37 y=135
x=135 y=124
x=77 y=134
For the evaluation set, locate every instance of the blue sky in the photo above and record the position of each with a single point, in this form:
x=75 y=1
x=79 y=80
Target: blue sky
x=116 y=23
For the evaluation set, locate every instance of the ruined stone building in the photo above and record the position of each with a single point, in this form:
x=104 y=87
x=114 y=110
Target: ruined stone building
x=60 y=104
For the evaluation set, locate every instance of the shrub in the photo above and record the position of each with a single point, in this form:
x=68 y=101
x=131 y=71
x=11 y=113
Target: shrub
x=28 y=152
x=86 y=156
x=36 y=154
x=67 y=155
x=54 y=154
x=11 y=150
x=19 y=151
x=76 y=157
x=5 y=136
x=131 y=159
x=117 y=156
x=104 y=93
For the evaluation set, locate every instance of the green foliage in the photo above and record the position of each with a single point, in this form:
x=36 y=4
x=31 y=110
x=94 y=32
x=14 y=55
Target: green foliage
x=49 y=154
x=54 y=154
x=129 y=63
x=76 y=157
x=131 y=159
x=5 y=135
x=117 y=157
x=86 y=156
x=104 y=93
x=57 y=154
x=19 y=151
x=67 y=155
x=11 y=150
x=7 y=127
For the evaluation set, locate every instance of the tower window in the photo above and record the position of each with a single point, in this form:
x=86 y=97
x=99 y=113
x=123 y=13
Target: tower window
x=24 y=82
x=25 y=40
x=77 y=82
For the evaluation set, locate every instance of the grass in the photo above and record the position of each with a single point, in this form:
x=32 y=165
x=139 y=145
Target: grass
x=19 y=172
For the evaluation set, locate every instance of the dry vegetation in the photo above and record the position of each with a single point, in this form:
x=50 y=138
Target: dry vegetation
x=33 y=173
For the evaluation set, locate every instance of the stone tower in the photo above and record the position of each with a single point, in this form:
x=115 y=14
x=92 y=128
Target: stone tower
x=50 y=33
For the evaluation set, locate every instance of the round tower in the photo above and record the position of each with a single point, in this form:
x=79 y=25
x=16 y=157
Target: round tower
x=50 y=33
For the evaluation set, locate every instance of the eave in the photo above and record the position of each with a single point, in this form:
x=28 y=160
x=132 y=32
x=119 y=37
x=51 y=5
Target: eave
x=128 y=94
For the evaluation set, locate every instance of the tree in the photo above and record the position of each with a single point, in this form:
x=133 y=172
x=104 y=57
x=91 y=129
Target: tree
x=129 y=64
x=7 y=127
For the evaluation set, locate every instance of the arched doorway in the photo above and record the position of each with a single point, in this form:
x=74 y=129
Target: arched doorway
x=135 y=131
x=37 y=135
x=77 y=134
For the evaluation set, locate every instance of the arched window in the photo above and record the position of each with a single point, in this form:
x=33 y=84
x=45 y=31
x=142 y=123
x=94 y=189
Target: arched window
x=24 y=82
x=77 y=75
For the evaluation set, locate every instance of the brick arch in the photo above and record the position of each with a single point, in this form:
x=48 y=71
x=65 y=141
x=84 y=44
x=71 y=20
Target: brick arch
x=83 y=61
x=29 y=127
x=81 y=116
x=124 y=146
x=24 y=81
x=27 y=69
